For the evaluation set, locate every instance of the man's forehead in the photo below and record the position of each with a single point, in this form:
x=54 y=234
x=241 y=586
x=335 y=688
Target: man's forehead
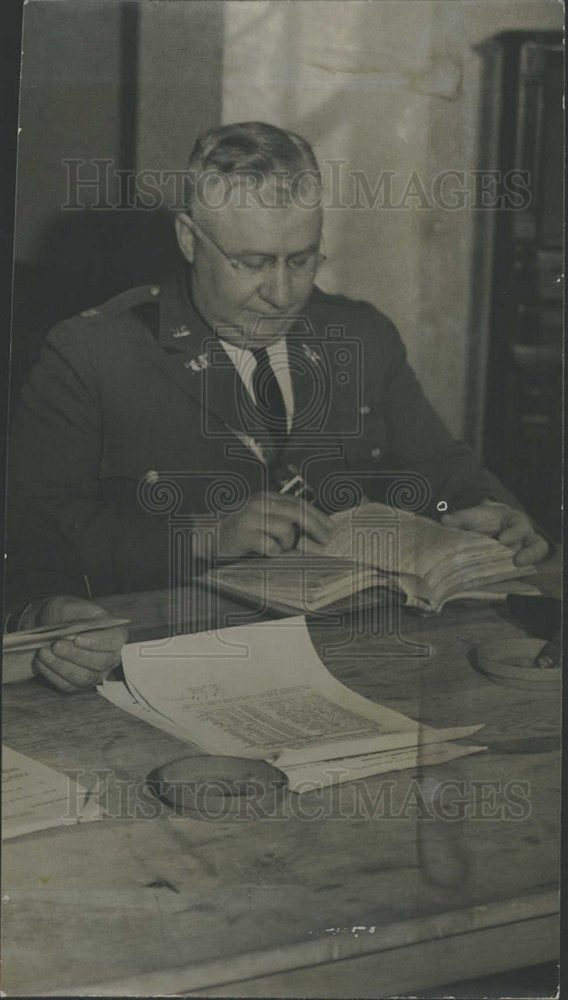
x=258 y=223
x=215 y=189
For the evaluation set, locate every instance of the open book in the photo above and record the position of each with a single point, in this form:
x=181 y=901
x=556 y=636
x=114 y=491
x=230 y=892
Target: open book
x=375 y=548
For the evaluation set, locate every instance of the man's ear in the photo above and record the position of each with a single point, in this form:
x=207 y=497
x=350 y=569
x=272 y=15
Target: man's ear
x=185 y=237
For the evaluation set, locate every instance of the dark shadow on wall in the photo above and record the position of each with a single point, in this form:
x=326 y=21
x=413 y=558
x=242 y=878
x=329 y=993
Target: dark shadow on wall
x=121 y=81
x=93 y=256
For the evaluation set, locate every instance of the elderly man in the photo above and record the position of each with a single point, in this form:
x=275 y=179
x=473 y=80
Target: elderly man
x=230 y=394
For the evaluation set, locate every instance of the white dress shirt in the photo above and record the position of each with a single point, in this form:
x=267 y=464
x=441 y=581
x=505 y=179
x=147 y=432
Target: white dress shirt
x=244 y=362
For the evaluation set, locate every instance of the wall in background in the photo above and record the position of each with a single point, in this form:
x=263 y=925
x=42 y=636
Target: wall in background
x=180 y=58
x=384 y=86
x=126 y=81
x=131 y=82
x=69 y=108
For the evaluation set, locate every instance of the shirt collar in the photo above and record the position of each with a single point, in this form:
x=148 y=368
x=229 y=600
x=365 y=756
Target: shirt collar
x=276 y=351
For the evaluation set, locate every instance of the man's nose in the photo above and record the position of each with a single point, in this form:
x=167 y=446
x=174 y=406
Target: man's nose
x=276 y=287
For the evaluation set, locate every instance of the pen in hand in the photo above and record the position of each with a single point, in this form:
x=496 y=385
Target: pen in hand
x=35 y=638
x=292 y=483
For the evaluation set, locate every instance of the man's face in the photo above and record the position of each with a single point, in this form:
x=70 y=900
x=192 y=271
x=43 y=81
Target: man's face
x=257 y=305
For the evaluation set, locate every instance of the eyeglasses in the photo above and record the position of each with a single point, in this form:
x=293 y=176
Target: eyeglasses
x=305 y=262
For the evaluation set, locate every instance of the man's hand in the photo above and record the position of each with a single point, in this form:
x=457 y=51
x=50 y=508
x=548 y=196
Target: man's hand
x=80 y=661
x=509 y=526
x=270 y=524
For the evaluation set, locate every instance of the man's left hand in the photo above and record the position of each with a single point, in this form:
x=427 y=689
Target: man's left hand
x=82 y=661
x=509 y=526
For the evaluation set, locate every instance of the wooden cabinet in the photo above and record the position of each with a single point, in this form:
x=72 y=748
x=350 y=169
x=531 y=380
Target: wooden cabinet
x=521 y=144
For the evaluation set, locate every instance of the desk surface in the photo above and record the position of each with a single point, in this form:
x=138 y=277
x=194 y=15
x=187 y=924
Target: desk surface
x=356 y=890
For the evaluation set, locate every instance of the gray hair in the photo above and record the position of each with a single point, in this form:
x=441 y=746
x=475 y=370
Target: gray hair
x=256 y=150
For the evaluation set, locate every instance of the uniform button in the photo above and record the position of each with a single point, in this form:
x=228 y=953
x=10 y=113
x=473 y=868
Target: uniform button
x=376 y=453
x=155 y=290
x=151 y=477
x=364 y=410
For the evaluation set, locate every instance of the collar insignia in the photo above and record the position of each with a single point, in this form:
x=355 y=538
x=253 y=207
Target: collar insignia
x=197 y=364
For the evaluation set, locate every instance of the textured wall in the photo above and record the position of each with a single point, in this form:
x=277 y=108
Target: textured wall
x=387 y=86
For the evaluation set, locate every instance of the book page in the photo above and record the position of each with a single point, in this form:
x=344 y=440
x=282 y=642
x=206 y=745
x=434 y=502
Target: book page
x=299 y=582
x=367 y=533
x=441 y=558
x=375 y=546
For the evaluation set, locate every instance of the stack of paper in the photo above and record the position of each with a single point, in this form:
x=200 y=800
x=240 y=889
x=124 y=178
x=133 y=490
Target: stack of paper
x=261 y=691
x=35 y=797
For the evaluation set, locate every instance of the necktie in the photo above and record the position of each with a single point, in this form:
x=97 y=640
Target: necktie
x=268 y=397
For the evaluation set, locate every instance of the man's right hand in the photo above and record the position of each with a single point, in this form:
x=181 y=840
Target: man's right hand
x=270 y=524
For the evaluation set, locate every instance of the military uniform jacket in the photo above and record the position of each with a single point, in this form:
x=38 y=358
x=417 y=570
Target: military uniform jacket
x=134 y=428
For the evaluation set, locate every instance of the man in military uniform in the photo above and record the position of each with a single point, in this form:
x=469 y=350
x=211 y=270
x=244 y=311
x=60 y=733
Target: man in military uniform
x=235 y=397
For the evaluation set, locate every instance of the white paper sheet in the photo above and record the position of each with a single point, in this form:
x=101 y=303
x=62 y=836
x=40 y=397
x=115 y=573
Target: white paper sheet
x=256 y=690
x=261 y=691
x=35 y=797
x=120 y=696
x=306 y=777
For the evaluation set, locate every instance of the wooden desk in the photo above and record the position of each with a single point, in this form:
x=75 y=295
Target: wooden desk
x=350 y=891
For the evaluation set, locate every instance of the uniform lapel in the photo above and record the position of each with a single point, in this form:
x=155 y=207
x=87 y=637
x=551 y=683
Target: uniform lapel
x=190 y=354
x=311 y=385
x=187 y=351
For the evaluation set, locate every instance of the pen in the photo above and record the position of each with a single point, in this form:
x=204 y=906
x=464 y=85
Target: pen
x=296 y=485
x=43 y=635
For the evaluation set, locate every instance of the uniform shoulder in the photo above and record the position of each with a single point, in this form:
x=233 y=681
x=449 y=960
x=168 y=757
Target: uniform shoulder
x=341 y=306
x=113 y=308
